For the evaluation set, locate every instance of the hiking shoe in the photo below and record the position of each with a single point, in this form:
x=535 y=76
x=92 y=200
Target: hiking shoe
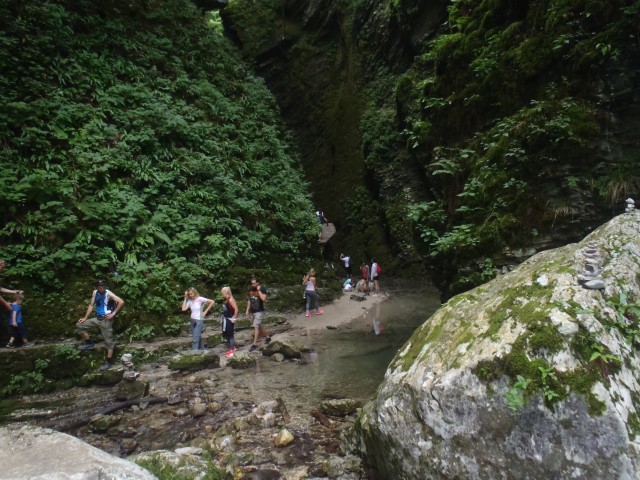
x=253 y=348
x=229 y=354
x=87 y=346
x=319 y=312
x=106 y=366
x=267 y=341
x=28 y=344
x=307 y=314
x=11 y=345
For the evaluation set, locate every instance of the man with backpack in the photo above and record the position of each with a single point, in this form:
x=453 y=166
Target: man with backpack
x=107 y=305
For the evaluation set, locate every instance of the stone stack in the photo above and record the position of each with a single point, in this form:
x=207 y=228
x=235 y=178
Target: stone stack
x=591 y=278
x=631 y=205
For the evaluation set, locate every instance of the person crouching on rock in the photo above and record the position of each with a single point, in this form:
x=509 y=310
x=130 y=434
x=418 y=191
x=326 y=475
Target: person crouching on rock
x=107 y=305
x=229 y=316
x=193 y=301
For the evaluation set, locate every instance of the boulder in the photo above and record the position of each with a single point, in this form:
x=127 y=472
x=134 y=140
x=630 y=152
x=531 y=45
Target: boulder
x=283 y=438
x=33 y=452
x=285 y=347
x=339 y=407
x=130 y=390
x=241 y=360
x=102 y=423
x=519 y=378
x=194 y=360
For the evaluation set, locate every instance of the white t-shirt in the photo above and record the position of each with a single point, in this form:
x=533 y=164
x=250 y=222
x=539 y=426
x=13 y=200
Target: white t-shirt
x=196 y=307
x=346 y=261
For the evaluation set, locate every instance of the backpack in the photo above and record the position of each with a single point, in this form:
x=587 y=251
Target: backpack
x=111 y=305
x=378 y=269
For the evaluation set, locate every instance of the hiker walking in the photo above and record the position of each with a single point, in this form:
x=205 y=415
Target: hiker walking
x=107 y=305
x=255 y=305
x=229 y=316
x=366 y=276
x=347 y=264
x=17 y=326
x=193 y=301
x=311 y=292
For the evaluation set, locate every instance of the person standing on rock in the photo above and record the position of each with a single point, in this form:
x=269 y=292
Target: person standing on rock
x=311 y=292
x=107 y=305
x=255 y=306
x=193 y=301
x=347 y=264
x=229 y=316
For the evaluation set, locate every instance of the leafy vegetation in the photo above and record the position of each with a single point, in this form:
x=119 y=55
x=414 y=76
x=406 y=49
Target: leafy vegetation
x=508 y=114
x=136 y=146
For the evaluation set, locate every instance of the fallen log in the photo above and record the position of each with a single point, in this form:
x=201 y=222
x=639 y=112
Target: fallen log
x=80 y=422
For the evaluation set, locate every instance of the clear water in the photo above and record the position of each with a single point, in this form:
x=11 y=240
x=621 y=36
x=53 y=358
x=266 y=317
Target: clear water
x=346 y=363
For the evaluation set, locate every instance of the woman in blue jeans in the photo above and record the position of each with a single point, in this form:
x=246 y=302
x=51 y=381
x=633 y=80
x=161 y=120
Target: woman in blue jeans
x=310 y=292
x=193 y=301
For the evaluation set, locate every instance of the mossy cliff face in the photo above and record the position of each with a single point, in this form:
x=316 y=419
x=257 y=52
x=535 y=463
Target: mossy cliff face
x=306 y=53
x=464 y=135
x=528 y=376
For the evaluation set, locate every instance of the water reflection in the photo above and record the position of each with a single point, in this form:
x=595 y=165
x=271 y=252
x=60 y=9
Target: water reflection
x=351 y=361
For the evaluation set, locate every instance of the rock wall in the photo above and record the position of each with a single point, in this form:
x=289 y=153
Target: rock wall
x=531 y=375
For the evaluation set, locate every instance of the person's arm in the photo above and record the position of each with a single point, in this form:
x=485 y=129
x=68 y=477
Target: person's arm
x=234 y=305
x=90 y=309
x=261 y=294
x=119 y=304
x=210 y=304
x=185 y=307
x=248 y=305
x=313 y=280
x=6 y=290
x=5 y=304
x=14 y=317
x=305 y=279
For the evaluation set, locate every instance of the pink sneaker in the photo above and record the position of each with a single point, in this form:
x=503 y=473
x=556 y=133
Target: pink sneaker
x=319 y=312
x=229 y=354
x=307 y=314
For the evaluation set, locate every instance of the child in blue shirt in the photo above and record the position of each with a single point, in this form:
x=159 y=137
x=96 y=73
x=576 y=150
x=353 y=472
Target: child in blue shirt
x=17 y=327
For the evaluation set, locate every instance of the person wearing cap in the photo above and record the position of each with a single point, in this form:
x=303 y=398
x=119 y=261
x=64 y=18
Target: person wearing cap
x=107 y=305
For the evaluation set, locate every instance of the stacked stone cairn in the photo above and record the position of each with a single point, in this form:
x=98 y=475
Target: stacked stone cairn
x=590 y=278
x=130 y=375
x=631 y=205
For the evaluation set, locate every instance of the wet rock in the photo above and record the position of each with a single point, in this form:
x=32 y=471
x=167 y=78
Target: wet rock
x=341 y=467
x=267 y=420
x=339 y=407
x=42 y=453
x=194 y=360
x=265 y=407
x=285 y=347
x=208 y=383
x=283 y=438
x=174 y=465
x=188 y=451
x=108 y=377
x=130 y=390
x=262 y=475
x=102 y=423
x=174 y=400
x=277 y=357
x=214 y=407
x=197 y=408
x=128 y=446
x=241 y=360
x=224 y=443
x=181 y=412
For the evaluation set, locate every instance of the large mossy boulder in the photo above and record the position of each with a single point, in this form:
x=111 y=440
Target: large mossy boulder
x=283 y=346
x=531 y=375
x=194 y=360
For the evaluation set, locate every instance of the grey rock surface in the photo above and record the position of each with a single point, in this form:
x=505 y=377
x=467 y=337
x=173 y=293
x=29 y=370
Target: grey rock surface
x=442 y=410
x=39 y=453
